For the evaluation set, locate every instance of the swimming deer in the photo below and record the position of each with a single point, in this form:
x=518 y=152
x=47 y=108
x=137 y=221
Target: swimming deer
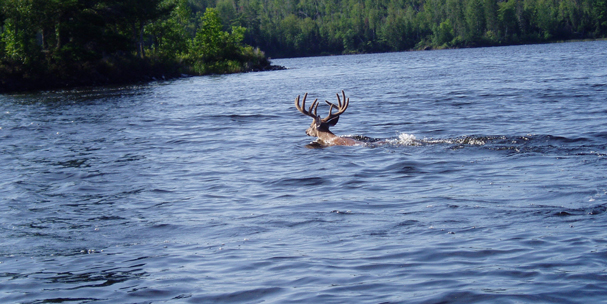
x=320 y=127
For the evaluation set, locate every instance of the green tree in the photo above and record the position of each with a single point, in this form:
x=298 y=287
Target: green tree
x=600 y=8
x=215 y=51
x=19 y=36
x=227 y=14
x=475 y=20
x=443 y=34
x=508 y=20
x=140 y=13
x=547 y=18
x=491 y=8
x=457 y=17
x=170 y=35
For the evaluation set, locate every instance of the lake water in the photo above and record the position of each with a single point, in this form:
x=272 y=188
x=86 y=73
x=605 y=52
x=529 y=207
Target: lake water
x=491 y=188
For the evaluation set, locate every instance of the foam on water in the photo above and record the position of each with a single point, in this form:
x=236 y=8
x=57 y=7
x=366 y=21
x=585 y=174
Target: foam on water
x=406 y=139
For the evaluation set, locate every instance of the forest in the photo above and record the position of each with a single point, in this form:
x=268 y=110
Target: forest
x=49 y=44
x=288 y=28
x=63 y=43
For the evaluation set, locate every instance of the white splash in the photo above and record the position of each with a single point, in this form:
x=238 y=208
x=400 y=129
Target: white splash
x=407 y=139
x=410 y=140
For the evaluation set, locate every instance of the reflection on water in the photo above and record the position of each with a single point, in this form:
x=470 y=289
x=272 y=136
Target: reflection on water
x=482 y=180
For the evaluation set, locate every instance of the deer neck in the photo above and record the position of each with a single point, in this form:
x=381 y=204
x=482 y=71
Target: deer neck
x=326 y=137
x=330 y=139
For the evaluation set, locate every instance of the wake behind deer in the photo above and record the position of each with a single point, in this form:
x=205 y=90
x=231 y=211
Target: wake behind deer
x=320 y=128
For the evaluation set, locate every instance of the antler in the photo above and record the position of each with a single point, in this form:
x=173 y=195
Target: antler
x=312 y=112
x=320 y=127
x=331 y=119
x=341 y=107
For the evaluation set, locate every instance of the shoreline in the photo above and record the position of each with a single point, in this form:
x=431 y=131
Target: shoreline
x=94 y=78
x=145 y=72
x=430 y=48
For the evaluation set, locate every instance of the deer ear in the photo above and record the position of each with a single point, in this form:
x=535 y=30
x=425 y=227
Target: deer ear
x=317 y=122
x=333 y=121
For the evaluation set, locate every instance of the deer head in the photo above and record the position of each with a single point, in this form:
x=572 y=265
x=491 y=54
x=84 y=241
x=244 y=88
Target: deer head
x=320 y=126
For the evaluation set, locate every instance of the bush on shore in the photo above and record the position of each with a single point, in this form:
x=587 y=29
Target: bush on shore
x=62 y=44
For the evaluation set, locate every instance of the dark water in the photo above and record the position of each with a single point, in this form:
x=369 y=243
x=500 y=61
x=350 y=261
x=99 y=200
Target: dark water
x=492 y=188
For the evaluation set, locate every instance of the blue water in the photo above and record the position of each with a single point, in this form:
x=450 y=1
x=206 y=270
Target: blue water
x=490 y=186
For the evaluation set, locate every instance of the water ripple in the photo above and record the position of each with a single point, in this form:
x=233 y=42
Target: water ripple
x=482 y=180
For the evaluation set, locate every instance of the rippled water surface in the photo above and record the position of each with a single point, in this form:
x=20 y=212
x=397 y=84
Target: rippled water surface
x=491 y=187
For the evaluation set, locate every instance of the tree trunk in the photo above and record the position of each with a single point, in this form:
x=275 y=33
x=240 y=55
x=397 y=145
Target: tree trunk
x=141 y=48
x=58 y=34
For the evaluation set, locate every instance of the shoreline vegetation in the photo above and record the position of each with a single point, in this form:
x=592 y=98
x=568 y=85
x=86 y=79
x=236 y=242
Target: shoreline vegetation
x=62 y=44
x=55 y=44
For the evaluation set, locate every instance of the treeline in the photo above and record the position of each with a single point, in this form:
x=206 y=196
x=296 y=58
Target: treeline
x=64 y=43
x=55 y=43
x=286 y=28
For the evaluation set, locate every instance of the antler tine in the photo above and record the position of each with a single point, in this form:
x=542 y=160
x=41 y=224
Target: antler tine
x=341 y=107
x=302 y=108
x=331 y=106
x=314 y=107
x=297 y=103
x=339 y=100
x=346 y=100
